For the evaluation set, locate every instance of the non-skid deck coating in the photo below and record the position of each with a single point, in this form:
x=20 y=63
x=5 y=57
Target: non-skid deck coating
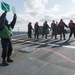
x=41 y=57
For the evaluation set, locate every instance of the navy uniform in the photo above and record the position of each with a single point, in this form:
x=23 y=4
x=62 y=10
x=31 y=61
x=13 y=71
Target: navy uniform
x=30 y=30
x=72 y=29
x=54 y=29
x=36 y=28
x=5 y=35
x=61 y=27
x=45 y=29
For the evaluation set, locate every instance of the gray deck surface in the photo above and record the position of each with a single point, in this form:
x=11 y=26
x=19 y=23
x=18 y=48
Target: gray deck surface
x=41 y=57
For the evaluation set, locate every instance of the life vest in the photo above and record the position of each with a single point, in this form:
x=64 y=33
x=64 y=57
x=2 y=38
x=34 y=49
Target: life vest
x=36 y=26
x=44 y=24
x=6 y=32
x=29 y=25
x=52 y=25
x=61 y=23
x=71 y=25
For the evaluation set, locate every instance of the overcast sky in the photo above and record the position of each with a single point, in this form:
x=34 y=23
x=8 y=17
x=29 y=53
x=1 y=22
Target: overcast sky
x=40 y=10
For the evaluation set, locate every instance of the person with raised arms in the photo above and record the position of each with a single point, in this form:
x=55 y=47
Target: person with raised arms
x=5 y=35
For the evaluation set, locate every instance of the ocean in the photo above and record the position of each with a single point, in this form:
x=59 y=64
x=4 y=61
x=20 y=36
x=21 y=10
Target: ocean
x=17 y=33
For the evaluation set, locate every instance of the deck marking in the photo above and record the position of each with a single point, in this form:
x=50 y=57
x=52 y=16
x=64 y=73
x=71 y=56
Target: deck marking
x=67 y=46
x=61 y=55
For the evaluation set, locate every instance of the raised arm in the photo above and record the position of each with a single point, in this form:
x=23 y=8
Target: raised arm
x=65 y=25
x=12 y=24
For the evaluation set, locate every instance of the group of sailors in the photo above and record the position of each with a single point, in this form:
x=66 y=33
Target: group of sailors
x=55 y=27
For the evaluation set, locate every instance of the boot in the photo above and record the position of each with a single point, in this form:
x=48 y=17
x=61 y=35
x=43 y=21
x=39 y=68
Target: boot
x=64 y=39
x=4 y=63
x=55 y=36
x=9 y=60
